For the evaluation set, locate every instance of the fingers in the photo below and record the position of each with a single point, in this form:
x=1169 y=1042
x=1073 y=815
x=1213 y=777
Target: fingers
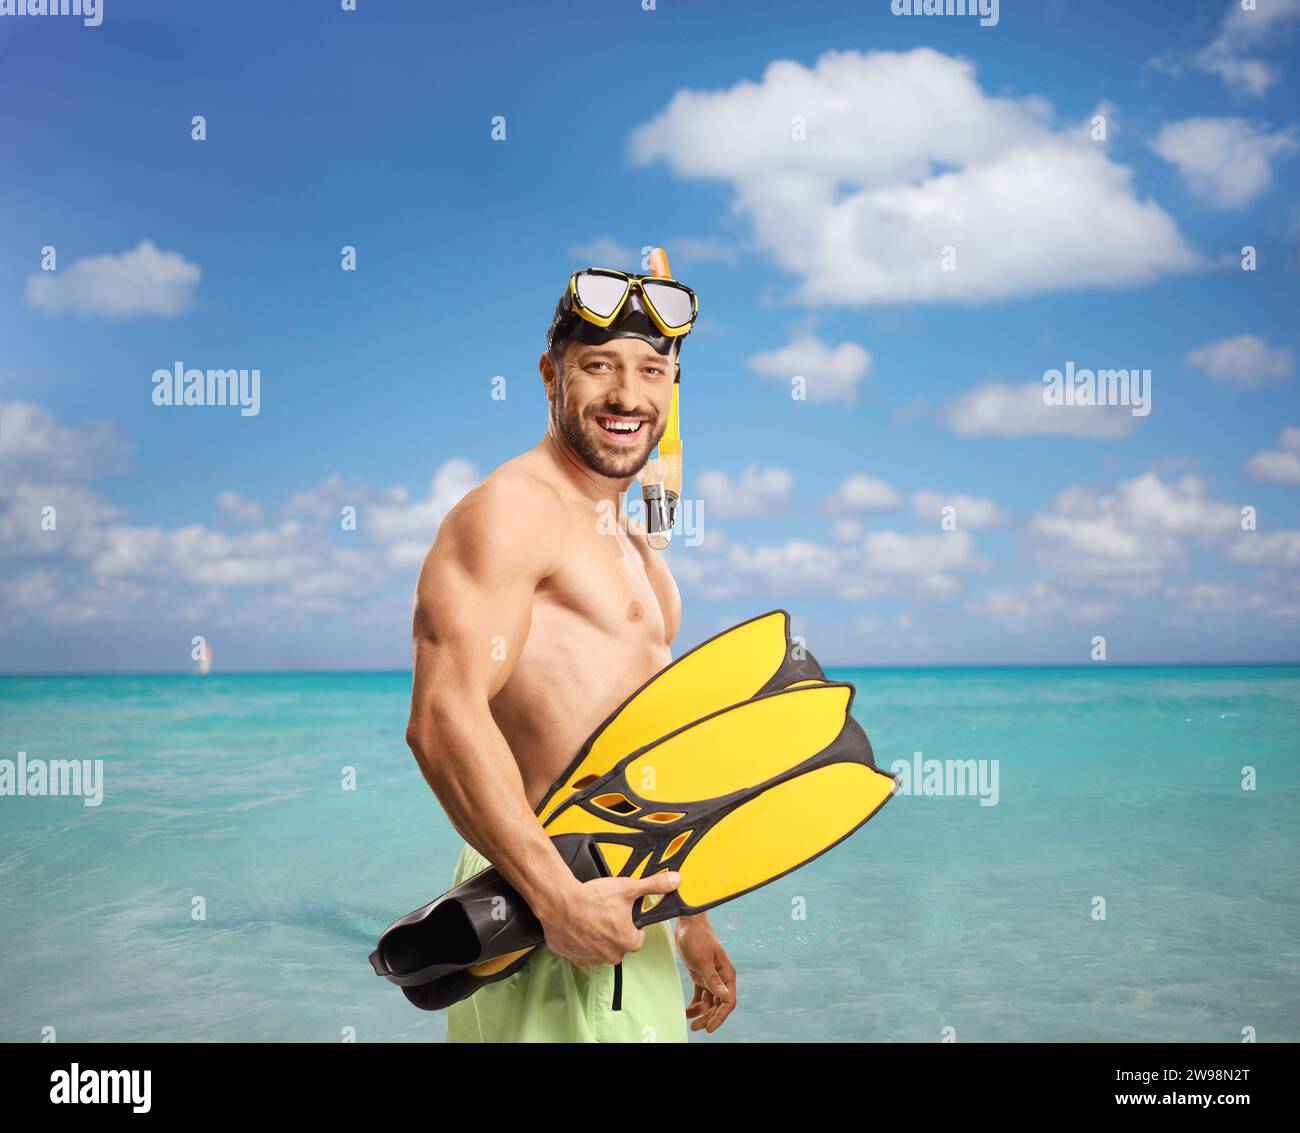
x=714 y=999
x=704 y=1006
x=697 y=1004
x=612 y=953
x=725 y=1007
x=713 y=1015
x=664 y=882
x=727 y=970
x=628 y=941
x=715 y=983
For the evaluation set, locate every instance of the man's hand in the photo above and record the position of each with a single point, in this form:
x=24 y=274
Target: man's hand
x=592 y=924
x=710 y=969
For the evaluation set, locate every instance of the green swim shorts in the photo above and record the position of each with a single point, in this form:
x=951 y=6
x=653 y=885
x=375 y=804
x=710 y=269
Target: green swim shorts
x=549 y=1000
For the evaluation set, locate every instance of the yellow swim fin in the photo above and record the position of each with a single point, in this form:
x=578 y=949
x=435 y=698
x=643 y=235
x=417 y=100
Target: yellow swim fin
x=734 y=800
x=751 y=658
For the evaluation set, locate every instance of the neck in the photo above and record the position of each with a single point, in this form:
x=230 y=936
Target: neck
x=588 y=484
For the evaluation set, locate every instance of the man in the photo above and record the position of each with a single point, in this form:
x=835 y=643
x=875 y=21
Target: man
x=536 y=616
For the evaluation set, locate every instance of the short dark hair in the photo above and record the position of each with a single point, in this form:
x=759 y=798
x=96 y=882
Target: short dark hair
x=556 y=342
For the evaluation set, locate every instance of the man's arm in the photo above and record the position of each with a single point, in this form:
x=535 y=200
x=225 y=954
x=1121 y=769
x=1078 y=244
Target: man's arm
x=472 y=616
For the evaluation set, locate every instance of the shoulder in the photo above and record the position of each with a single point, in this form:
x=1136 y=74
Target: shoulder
x=512 y=515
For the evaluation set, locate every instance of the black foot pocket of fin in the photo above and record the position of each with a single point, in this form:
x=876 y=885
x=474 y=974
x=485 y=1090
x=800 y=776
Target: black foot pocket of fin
x=473 y=935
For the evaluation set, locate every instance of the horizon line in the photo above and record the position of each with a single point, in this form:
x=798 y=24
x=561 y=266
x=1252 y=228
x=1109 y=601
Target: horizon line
x=6 y=675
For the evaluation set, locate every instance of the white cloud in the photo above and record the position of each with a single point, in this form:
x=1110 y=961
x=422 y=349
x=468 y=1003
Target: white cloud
x=1183 y=508
x=1096 y=546
x=799 y=566
x=409 y=528
x=1272 y=548
x=143 y=281
x=905 y=154
x=831 y=373
x=605 y=252
x=1017 y=609
x=972 y=512
x=864 y=493
x=884 y=562
x=35 y=448
x=1216 y=598
x=325 y=500
x=1005 y=411
x=1282 y=464
x=1243 y=362
x=757 y=492
x=1231 y=55
x=388 y=515
x=41 y=461
x=847 y=531
x=914 y=410
x=300 y=565
x=926 y=554
x=1125 y=540
x=701 y=250
x=37 y=591
x=1166 y=64
x=79 y=516
x=208 y=557
x=244 y=510
x=43 y=596
x=1226 y=162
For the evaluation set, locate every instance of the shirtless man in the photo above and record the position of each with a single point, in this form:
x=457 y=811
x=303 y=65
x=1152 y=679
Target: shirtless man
x=536 y=616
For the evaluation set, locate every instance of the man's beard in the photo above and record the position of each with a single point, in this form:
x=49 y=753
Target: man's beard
x=581 y=433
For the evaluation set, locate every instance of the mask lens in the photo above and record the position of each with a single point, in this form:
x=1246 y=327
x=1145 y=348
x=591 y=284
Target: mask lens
x=601 y=294
x=672 y=302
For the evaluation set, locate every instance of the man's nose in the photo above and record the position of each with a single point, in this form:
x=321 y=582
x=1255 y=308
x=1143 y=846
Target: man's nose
x=625 y=391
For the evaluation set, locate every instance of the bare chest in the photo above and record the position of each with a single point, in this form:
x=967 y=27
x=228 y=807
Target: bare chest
x=616 y=583
x=601 y=626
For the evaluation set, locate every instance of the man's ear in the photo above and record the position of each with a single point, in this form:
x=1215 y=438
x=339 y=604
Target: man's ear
x=549 y=376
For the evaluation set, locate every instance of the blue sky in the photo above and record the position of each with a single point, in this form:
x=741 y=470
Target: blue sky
x=816 y=255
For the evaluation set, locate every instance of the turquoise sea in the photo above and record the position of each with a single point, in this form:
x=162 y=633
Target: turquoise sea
x=1124 y=784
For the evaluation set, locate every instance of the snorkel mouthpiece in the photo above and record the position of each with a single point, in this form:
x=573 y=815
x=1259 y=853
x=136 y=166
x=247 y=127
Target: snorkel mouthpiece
x=660 y=514
x=658 y=527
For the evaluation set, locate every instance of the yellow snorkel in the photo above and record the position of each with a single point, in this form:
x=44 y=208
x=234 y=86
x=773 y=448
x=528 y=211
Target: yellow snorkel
x=661 y=480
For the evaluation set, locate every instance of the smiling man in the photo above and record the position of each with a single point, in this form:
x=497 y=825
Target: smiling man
x=535 y=618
